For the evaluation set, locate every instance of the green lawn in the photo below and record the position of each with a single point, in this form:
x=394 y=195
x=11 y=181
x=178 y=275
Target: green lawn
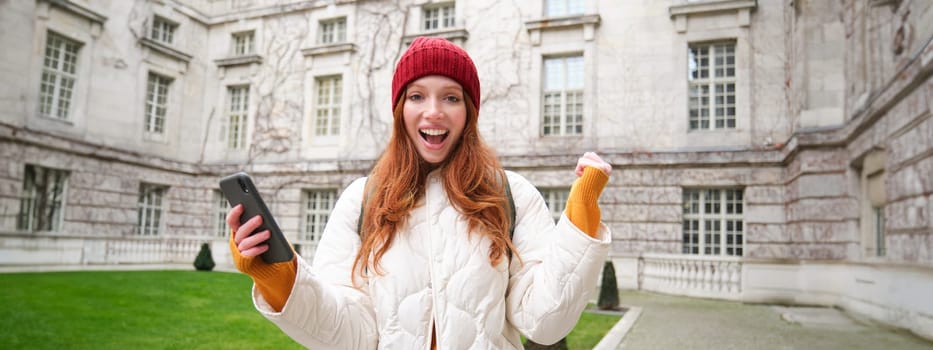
x=155 y=309
x=132 y=310
x=590 y=330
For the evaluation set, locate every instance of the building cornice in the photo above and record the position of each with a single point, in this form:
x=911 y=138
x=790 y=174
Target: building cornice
x=711 y=6
x=238 y=60
x=329 y=49
x=562 y=22
x=742 y=9
x=165 y=49
x=69 y=145
x=587 y=22
x=456 y=35
x=77 y=9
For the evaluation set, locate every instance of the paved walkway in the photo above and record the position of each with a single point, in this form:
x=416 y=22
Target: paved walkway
x=669 y=322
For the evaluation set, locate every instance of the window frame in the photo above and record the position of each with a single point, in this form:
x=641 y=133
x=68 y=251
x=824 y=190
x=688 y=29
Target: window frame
x=569 y=96
x=221 y=207
x=570 y=8
x=31 y=208
x=316 y=207
x=439 y=16
x=243 y=43
x=59 y=76
x=556 y=200
x=332 y=31
x=162 y=30
x=879 y=231
x=237 y=116
x=327 y=124
x=695 y=238
x=150 y=203
x=156 y=101
x=703 y=117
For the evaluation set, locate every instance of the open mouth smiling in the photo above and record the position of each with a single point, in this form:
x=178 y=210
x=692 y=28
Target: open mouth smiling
x=433 y=136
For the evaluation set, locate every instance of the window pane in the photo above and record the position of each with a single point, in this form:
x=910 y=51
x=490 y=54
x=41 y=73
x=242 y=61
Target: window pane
x=221 y=208
x=243 y=43
x=238 y=106
x=722 y=229
x=156 y=98
x=437 y=17
x=575 y=72
x=316 y=211
x=162 y=30
x=553 y=74
x=556 y=200
x=42 y=199
x=554 y=8
x=562 y=111
x=718 y=77
x=150 y=209
x=58 y=76
x=327 y=107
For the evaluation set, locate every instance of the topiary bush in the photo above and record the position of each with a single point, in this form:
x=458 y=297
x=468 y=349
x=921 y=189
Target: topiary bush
x=609 y=291
x=204 y=261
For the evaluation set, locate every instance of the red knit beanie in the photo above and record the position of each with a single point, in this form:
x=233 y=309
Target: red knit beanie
x=435 y=56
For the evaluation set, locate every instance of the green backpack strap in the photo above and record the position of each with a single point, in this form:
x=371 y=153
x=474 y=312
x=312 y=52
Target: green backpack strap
x=359 y=221
x=508 y=193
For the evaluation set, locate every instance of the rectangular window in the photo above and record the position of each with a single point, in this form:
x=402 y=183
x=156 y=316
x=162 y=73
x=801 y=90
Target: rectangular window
x=563 y=96
x=237 y=107
x=327 y=106
x=162 y=30
x=558 y=8
x=333 y=31
x=556 y=199
x=316 y=208
x=150 y=209
x=439 y=16
x=42 y=201
x=243 y=43
x=713 y=223
x=711 y=86
x=879 y=231
x=156 y=101
x=221 y=207
x=59 y=70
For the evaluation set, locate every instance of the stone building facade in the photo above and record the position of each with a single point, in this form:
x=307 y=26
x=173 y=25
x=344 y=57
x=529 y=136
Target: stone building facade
x=765 y=151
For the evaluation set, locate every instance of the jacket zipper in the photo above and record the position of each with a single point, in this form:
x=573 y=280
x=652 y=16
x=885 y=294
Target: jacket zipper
x=432 y=327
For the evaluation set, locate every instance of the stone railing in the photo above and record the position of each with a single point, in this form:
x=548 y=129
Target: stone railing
x=692 y=275
x=149 y=251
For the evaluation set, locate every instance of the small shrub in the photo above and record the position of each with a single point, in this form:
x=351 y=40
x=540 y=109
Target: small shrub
x=204 y=261
x=609 y=291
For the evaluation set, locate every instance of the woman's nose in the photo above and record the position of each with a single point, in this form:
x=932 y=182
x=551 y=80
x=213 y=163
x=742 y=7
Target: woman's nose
x=433 y=109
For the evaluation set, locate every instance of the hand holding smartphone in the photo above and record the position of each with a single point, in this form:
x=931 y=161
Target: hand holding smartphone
x=239 y=189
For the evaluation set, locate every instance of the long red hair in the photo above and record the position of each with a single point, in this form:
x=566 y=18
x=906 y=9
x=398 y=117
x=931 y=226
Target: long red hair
x=473 y=180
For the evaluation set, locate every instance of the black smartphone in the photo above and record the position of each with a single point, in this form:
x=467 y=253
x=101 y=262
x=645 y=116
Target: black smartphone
x=239 y=189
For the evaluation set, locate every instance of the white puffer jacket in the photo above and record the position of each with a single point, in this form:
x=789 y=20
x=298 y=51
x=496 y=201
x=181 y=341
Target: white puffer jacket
x=436 y=274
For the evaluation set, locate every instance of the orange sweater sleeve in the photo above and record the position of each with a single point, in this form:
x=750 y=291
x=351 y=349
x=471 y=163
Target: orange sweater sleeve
x=582 y=203
x=274 y=281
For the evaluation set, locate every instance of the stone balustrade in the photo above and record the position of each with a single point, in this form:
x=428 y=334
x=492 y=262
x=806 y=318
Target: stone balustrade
x=149 y=251
x=692 y=275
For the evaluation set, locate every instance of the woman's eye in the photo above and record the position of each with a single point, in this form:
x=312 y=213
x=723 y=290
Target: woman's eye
x=454 y=99
x=415 y=97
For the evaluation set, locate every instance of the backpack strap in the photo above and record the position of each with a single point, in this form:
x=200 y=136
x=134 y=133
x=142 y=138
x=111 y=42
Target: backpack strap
x=359 y=221
x=508 y=193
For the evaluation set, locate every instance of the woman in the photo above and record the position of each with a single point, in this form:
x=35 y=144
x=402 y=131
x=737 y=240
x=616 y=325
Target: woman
x=433 y=265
